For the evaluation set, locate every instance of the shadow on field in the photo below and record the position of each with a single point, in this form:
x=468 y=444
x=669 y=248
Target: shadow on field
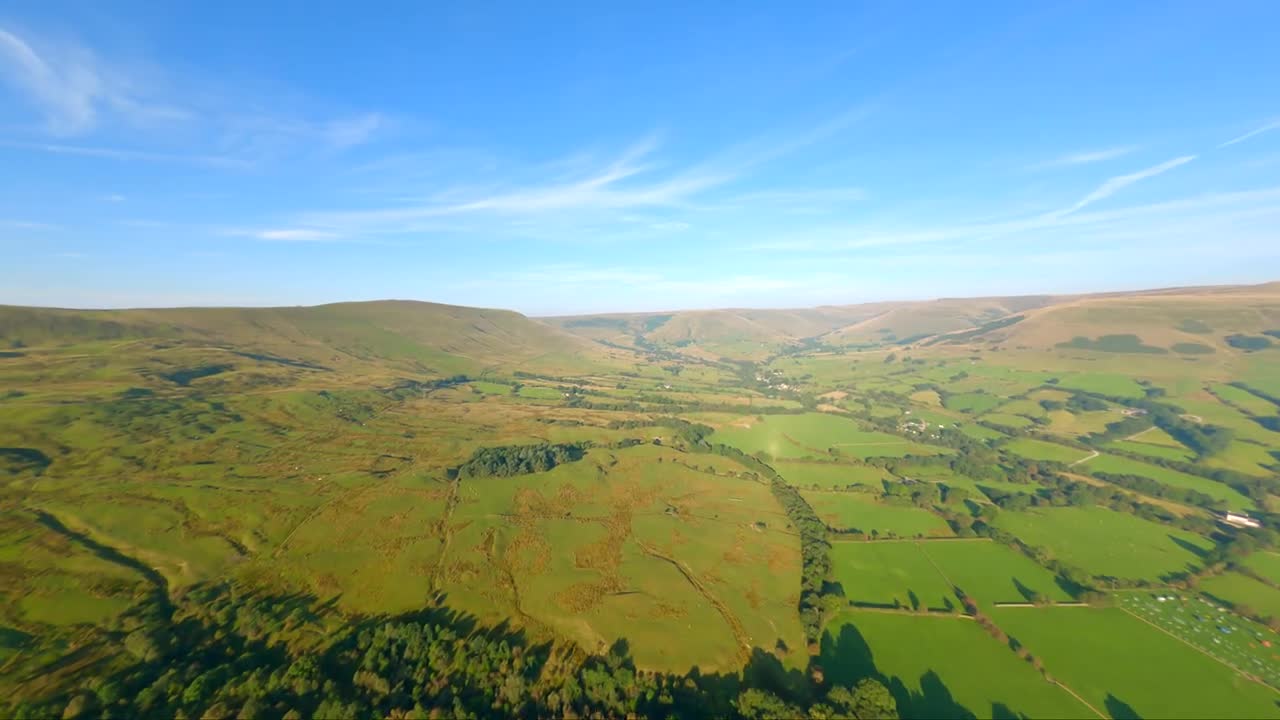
x=1189 y=547
x=847 y=658
x=1027 y=593
x=1120 y=710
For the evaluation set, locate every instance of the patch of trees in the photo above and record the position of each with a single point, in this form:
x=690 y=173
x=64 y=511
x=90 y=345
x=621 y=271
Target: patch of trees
x=815 y=558
x=695 y=434
x=967 y=335
x=408 y=388
x=185 y=376
x=508 y=460
x=1084 y=403
x=1120 y=343
x=1147 y=486
x=1248 y=343
x=224 y=654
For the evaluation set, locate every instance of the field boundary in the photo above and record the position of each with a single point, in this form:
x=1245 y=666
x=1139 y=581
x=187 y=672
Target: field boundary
x=1204 y=652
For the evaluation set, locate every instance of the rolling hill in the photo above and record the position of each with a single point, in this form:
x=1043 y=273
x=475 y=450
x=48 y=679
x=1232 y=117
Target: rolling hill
x=413 y=336
x=1182 y=317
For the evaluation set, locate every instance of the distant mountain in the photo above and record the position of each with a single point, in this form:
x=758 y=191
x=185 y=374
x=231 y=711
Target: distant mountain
x=1169 y=316
x=417 y=336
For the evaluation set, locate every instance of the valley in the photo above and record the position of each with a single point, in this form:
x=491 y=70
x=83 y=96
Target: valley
x=756 y=506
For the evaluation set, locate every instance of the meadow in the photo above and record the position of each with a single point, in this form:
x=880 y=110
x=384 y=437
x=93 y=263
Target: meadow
x=814 y=435
x=993 y=573
x=1033 y=449
x=1127 y=668
x=828 y=475
x=942 y=667
x=863 y=513
x=1117 y=465
x=1107 y=543
x=1246 y=594
x=890 y=574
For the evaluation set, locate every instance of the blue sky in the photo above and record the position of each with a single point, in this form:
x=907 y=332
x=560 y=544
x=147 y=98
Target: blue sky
x=559 y=158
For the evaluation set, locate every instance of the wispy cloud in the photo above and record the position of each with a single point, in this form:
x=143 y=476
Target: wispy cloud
x=582 y=191
x=1272 y=125
x=72 y=88
x=628 y=181
x=128 y=154
x=358 y=130
x=289 y=235
x=1086 y=158
x=26 y=225
x=1201 y=213
x=1120 y=182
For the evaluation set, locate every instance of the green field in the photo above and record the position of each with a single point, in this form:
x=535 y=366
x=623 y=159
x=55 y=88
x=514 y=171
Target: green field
x=863 y=513
x=1111 y=384
x=1117 y=465
x=1243 y=399
x=1207 y=625
x=1107 y=543
x=990 y=572
x=1266 y=564
x=976 y=403
x=808 y=435
x=1041 y=450
x=1164 y=452
x=1115 y=662
x=940 y=667
x=1245 y=593
x=830 y=475
x=890 y=573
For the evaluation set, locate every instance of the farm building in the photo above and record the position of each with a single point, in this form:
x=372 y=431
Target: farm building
x=1240 y=520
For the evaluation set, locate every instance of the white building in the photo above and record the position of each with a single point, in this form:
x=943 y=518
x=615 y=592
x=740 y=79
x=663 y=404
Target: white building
x=1241 y=521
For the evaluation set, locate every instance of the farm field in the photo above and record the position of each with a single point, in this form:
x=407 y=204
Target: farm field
x=942 y=667
x=863 y=513
x=830 y=475
x=890 y=574
x=808 y=435
x=1042 y=450
x=1105 y=542
x=1243 y=591
x=1206 y=625
x=976 y=403
x=1117 y=465
x=1266 y=564
x=1119 y=664
x=992 y=573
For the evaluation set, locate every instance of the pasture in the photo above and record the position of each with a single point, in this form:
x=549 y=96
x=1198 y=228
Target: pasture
x=827 y=475
x=890 y=574
x=1107 y=543
x=1116 y=465
x=864 y=513
x=799 y=436
x=1033 y=449
x=990 y=572
x=1129 y=669
x=1246 y=594
x=1203 y=623
x=1266 y=564
x=1112 y=384
x=814 y=435
x=941 y=667
x=973 y=402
